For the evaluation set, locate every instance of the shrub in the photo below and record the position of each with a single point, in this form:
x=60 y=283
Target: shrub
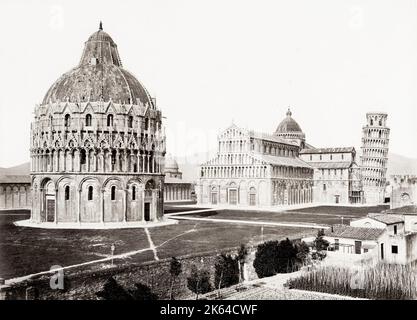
x=142 y=292
x=320 y=243
x=274 y=257
x=199 y=281
x=113 y=291
x=383 y=281
x=265 y=259
x=175 y=269
x=226 y=271
x=303 y=252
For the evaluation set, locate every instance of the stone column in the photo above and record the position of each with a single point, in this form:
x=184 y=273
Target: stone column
x=138 y=162
x=77 y=166
x=87 y=160
x=143 y=162
x=125 y=205
x=117 y=161
x=147 y=163
x=125 y=164
x=132 y=162
x=79 y=206
x=56 y=206
x=102 y=206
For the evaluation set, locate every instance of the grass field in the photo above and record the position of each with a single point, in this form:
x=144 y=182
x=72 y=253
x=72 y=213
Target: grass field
x=25 y=251
x=319 y=215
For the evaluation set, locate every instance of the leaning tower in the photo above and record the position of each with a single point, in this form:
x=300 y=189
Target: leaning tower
x=375 y=140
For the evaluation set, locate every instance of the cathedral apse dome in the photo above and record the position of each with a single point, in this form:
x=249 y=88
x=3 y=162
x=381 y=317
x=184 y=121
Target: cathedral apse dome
x=97 y=146
x=290 y=130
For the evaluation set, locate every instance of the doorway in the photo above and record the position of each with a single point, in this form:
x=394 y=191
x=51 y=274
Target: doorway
x=50 y=210
x=214 y=198
x=358 y=247
x=252 y=196
x=147 y=211
x=233 y=196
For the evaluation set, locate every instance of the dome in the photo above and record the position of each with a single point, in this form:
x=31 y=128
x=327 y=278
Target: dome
x=171 y=165
x=99 y=77
x=288 y=125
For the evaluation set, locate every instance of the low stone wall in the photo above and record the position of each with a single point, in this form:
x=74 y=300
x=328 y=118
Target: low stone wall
x=82 y=284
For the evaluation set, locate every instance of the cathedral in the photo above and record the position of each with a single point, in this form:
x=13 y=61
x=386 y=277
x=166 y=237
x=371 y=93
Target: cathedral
x=283 y=169
x=258 y=169
x=97 y=145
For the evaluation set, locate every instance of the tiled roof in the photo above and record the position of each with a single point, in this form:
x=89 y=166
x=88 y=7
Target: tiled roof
x=15 y=179
x=101 y=79
x=386 y=218
x=331 y=165
x=282 y=161
x=327 y=150
x=270 y=137
x=411 y=209
x=344 y=231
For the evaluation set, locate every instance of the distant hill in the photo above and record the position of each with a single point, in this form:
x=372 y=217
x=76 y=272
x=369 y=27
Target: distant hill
x=22 y=169
x=397 y=164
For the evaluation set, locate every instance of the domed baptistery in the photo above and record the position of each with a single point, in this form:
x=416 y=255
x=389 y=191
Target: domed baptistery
x=97 y=146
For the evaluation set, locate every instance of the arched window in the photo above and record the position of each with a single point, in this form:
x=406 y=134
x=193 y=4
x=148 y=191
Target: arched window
x=372 y=122
x=113 y=193
x=380 y=122
x=67 y=121
x=88 y=120
x=83 y=157
x=146 y=123
x=130 y=122
x=67 y=193
x=90 y=193
x=133 y=193
x=110 y=120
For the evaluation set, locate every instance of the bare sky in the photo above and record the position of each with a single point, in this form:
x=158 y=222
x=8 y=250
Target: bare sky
x=213 y=62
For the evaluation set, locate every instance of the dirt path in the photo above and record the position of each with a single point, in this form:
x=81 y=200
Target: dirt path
x=251 y=222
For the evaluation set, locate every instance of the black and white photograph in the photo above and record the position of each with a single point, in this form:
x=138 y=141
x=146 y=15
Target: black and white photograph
x=188 y=150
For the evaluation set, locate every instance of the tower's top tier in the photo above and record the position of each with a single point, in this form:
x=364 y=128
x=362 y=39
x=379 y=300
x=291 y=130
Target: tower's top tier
x=376 y=119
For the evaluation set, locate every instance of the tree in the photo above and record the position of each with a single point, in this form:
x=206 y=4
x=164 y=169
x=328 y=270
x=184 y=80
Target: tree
x=226 y=271
x=175 y=269
x=265 y=259
x=303 y=255
x=242 y=254
x=286 y=256
x=142 y=292
x=320 y=243
x=113 y=291
x=199 y=281
x=274 y=257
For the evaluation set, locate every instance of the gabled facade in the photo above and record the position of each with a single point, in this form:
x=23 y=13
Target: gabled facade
x=255 y=169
